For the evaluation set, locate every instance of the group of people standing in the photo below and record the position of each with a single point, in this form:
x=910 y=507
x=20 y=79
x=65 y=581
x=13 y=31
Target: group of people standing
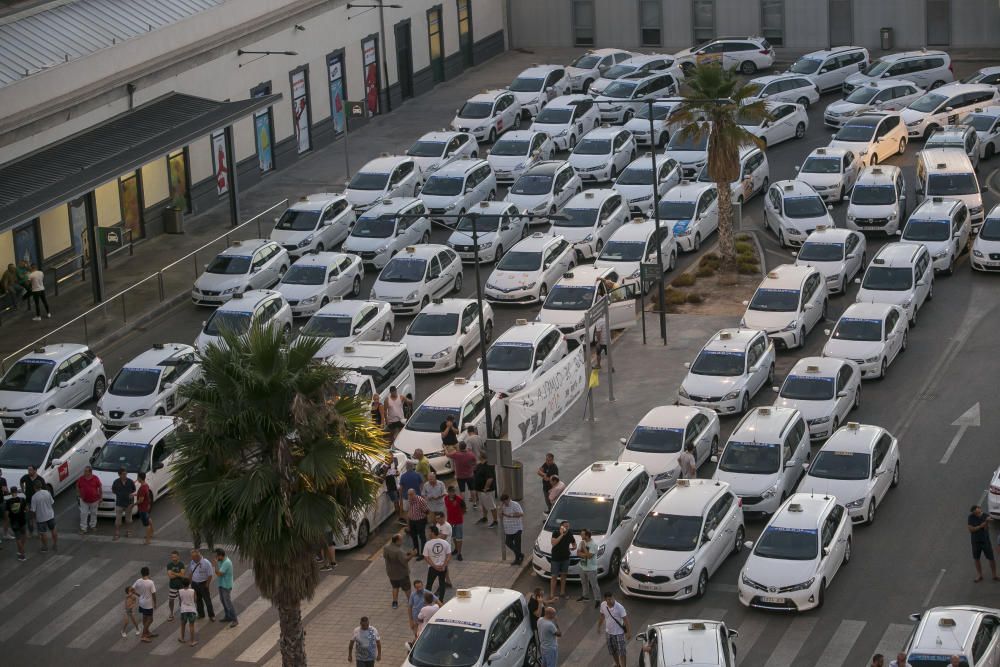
x=25 y=283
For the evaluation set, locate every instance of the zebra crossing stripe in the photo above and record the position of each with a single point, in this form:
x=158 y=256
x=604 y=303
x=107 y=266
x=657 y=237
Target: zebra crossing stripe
x=750 y=630
x=791 y=643
x=26 y=582
x=222 y=641
x=893 y=639
x=170 y=647
x=843 y=640
x=16 y=622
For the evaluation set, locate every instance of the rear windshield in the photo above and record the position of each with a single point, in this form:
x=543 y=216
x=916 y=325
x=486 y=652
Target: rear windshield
x=949 y=185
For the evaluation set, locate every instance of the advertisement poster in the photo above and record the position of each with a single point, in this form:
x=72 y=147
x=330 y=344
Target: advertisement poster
x=547 y=399
x=337 y=110
x=300 y=110
x=262 y=132
x=370 y=49
x=220 y=163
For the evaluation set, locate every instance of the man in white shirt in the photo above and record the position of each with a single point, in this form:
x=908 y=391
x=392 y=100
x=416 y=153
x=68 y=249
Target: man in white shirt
x=146 y=589
x=617 y=628
x=437 y=553
x=687 y=462
x=36 y=279
x=900 y=661
x=45 y=516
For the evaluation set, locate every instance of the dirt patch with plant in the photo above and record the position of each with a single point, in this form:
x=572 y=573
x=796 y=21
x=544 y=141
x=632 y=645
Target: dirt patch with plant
x=706 y=290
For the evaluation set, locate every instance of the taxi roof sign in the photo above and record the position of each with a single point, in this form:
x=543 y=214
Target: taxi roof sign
x=696 y=626
x=812 y=369
x=348 y=349
x=463 y=593
x=597 y=467
x=854 y=426
x=725 y=335
x=795 y=507
x=520 y=322
x=410 y=249
x=764 y=411
x=946 y=622
x=461 y=380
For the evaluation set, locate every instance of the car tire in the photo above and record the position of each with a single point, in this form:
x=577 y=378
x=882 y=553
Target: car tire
x=586 y=86
x=702 y=585
x=459 y=359
x=615 y=564
x=748 y=67
x=488 y=331
x=826 y=308
x=843 y=285
x=902 y=347
x=614 y=173
x=572 y=142
x=895 y=476
x=627 y=116
x=543 y=292
x=497 y=427
x=320 y=247
x=870 y=516
x=840 y=199
x=387 y=332
x=517 y=122
x=356 y=287
x=100 y=386
x=781 y=239
x=800 y=131
x=697 y=242
x=989 y=152
x=936 y=84
x=902 y=147
x=931 y=129
x=423 y=302
x=802 y=337
x=492 y=195
x=745 y=404
x=770 y=376
x=821 y=595
x=598 y=247
x=930 y=292
x=497 y=253
x=282 y=270
x=531 y=656
x=160 y=412
x=857 y=399
x=950 y=271
x=664 y=139
x=286 y=333
x=458 y=284
x=324 y=302
x=426 y=238
x=475 y=155
x=913 y=320
x=672 y=262
x=363 y=533
x=740 y=536
x=804 y=101
x=874 y=160
x=847 y=551
x=714 y=450
x=493 y=136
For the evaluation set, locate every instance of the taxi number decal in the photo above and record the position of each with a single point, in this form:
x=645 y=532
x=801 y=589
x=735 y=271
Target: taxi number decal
x=63 y=471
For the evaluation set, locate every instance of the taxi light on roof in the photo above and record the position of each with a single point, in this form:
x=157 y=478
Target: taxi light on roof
x=237 y=295
x=725 y=335
x=820 y=228
x=772 y=274
x=39 y=350
x=568 y=274
x=764 y=411
x=349 y=349
x=795 y=507
x=461 y=381
x=303 y=198
x=588 y=195
x=538 y=235
x=876 y=170
x=383 y=154
x=789 y=188
x=387 y=201
x=937 y=200
x=946 y=622
x=878 y=260
x=820 y=151
x=812 y=369
x=683 y=482
x=638 y=221
x=134 y=426
x=520 y=322
x=942 y=165
x=410 y=249
x=336 y=298
x=484 y=204
x=597 y=467
x=853 y=426
x=438 y=301
x=696 y=626
x=159 y=346
x=239 y=243
x=463 y=593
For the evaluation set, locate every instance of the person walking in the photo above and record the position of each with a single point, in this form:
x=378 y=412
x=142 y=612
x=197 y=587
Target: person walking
x=176 y=575
x=43 y=507
x=146 y=589
x=513 y=526
x=390 y=477
x=536 y=608
x=433 y=492
x=979 y=531
x=586 y=551
x=416 y=516
x=437 y=553
x=395 y=411
x=563 y=543
x=201 y=571
x=900 y=661
x=486 y=490
x=454 y=509
x=421 y=463
x=224 y=571
x=556 y=488
x=124 y=490
x=377 y=411
x=16 y=517
x=37 y=281
x=548 y=638
x=365 y=644
x=464 y=462
x=27 y=482
x=545 y=471
x=617 y=628
x=88 y=488
x=144 y=504
x=189 y=614
x=328 y=551
x=416 y=603
x=22 y=279
x=687 y=463
x=397 y=567
x=131 y=602
x=474 y=441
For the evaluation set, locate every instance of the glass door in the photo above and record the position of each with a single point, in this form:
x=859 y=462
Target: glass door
x=465 y=31
x=436 y=38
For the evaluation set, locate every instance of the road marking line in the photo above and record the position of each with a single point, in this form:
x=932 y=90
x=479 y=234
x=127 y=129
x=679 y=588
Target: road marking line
x=159 y=617
x=791 y=643
x=169 y=648
x=723 y=588
x=930 y=593
x=840 y=645
x=893 y=639
x=269 y=638
x=111 y=620
x=27 y=581
x=750 y=631
x=79 y=609
x=711 y=614
x=14 y=623
x=969 y=418
x=221 y=642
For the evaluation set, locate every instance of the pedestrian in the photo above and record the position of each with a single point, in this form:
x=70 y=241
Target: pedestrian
x=979 y=531
x=377 y=411
x=146 y=589
x=176 y=575
x=416 y=602
x=189 y=615
x=878 y=660
x=427 y=612
x=486 y=489
x=365 y=644
x=42 y=506
x=956 y=661
x=23 y=270
x=410 y=479
x=433 y=492
x=416 y=516
x=445 y=529
x=422 y=463
x=563 y=543
x=513 y=526
x=548 y=638
x=437 y=553
x=545 y=471
x=390 y=477
x=196 y=535
x=464 y=462
x=11 y=287
x=617 y=628
x=397 y=567
x=454 y=509
x=131 y=602
x=4 y=492
x=28 y=489
x=37 y=280
x=536 y=608
x=224 y=571
x=687 y=463
x=201 y=572
x=556 y=488
x=124 y=490
x=900 y=661
x=395 y=411
x=88 y=488
x=473 y=441
x=16 y=517
x=586 y=551
x=449 y=433
x=144 y=504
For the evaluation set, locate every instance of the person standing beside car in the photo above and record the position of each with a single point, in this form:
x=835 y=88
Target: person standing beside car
x=88 y=488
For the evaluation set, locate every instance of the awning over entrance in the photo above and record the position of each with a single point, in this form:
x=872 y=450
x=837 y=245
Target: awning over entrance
x=80 y=163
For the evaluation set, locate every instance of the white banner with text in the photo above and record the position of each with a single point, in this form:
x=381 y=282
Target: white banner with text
x=544 y=401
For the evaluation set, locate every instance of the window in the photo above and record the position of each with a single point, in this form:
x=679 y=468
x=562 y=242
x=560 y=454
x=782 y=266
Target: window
x=844 y=377
x=650 y=22
x=63 y=444
x=703 y=19
x=772 y=21
x=583 y=22
x=469 y=315
x=472 y=409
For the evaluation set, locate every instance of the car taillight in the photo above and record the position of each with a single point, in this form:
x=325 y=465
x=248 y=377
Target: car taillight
x=765 y=52
x=740 y=501
x=994 y=489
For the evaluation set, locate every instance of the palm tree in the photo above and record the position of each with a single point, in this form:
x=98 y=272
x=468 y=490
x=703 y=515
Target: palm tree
x=715 y=99
x=268 y=459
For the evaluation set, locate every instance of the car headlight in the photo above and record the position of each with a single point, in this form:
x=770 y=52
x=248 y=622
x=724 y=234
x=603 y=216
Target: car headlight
x=731 y=396
x=624 y=566
x=490 y=285
x=664 y=475
x=578 y=326
x=308 y=301
x=230 y=290
x=941 y=253
x=588 y=238
x=907 y=302
x=540 y=208
x=517 y=387
x=683 y=393
x=977 y=253
x=792 y=326
x=538 y=552
x=529 y=286
x=801 y=587
x=479 y=129
x=30 y=412
x=411 y=296
x=635 y=274
x=99 y=411
x=855 y=504
x=561 y=133
x=818 y=421
x=747 y=581
x=306 y=241
x=442 y=354
x=373 y=296
x=863 y=151
x=850 y=216
x=743 y=323
x=520 y=165
x=685 y=569
x=914 y=123
x=770 y=491
x=871 y=360
x=138 y=413
x=643 y=198
x=484 y=246
x=600 y=551
x=891 y=216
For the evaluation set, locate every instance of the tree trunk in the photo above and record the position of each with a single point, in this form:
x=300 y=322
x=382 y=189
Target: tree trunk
x=292 y=643
x=727 y=234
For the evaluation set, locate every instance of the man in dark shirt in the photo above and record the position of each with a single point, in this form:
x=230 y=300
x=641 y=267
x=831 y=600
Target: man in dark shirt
x=486 y=489
x=449 y=432
x=16 y=516
x=562 y=543
x=979 y=531
x=546 y=471
x=124 y=490
x=28 y=489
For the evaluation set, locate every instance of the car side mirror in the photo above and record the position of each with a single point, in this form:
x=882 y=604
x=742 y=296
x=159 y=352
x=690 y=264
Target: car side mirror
x=63 y=384
x=492 y=658
x=795 y=254
x=829 y=207
x=748 y=544
x=853 y=255
x=775 y=388
x=949 y=109
x=857 y=281
x=158 y=466
x=826 y=332
x=733 y=634
x=167 y=386
x=805 y=466
x=714 y=458
x=641 y=637
x=826 y=551
x=687 y=364
x=808 y=306
x=789 y=464
x=622 y=440
x=539 y=362
x=709 y=535
x=399 y=232
x=921 y=283
x=504 y=228
x=841 y=394
x=55 y=462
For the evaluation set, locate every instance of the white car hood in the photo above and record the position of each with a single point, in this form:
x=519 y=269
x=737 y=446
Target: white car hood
x=410 y=441
x=598 y=86
x=912 y=116
x=803 y=224
x=439 y=201
x=332 y=346
x=204 y=340
x=932 y=246
x=684 y=52
x=809 y=409
x=710 y=385
x=579 y=161
x=852 y=349
x=508 y=279
x=551 y=129
x=624 y=269
x=426 y=164
x=560 y=318
x=854 y=146
x=843 y=107
x=859 y=79
x=844 y=490
x=289 y=236
x=499 y=381
x=19 y=400
x=388 y=291
x=363 y=197
x=299 y=292
x=544 y=541
x=687 y=157
x=820 y=180
x=508 y=162
x=654 y=463
x=527 y=202
x=465 y=238
x=896 y=297
x=220 y=282
x=871 y=210
x=127 y=404
x=571 y=234
x=645 y=560
x=985 y=247
x=529 y=97
x=362 y=243
x=634 y=192
x=575 y=72
x=425 y=346
x=768 y=321
x=778 y=573
x=826 y=268
x=745 y=484
x=635 y=125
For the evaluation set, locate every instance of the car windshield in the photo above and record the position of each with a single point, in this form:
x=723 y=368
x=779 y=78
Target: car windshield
x=484 y=223
x=577 y=217
x=297 y=221
x=511 y=147
x=810 y=206
x=775 y=300
x=821 y=165
x=20 y=454
x=659 y=112
x=28 y=375
x=428 y=418
x=676 y=210
x=856 y=132
x=234 y=321
x=427 y=149
x=719 y=363
x=583 y=512
x=813 y=251
x=873 y=195
x=887 y=278
x=135 y=382
x=586 y=61
x=754 y=458
x=229 y=265
x=299 y=274
x=509 y=356
x=655 y=440
x=381 y=227
x=927 y=103
x=619 y=70
x=950 y=185
x=623 y=251
x=554 y=116
x=532 y=184
x=749 y=120
x=434 y=324
x=366 y=180
x=476 y=110
x=634 y=175
x=926 y=230
x=862 y=95
x=524 y=84
x=403 y=270
x=443 y=185
x=593 y=147
x=115 y=455
x=328 y=326
x=620 y=89
x=807 y=388
x=567 y=297
x=990 y=230
x=788 y=544
x=681 y=141
x=851 y=328
x=669 y=532
x=805 y=66
x=979 y=122
x=520 y=260
x=877 y=67
x=830 y=464
x=446 y=645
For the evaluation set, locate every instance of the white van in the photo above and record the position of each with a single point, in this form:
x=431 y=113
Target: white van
x=830 y=67
x=387 y=364
x=948 y=173
x=942 y=225
x=457 y=187
x=927 y=69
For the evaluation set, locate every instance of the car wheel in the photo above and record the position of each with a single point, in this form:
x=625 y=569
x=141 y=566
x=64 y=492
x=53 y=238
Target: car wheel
x=895 y=476
x=748 y=67
x=627 y=116
x=615 y=564
x=492 y=195
x=826 y=307
x=745 y=404
x=931 y=129
x=857 y=399
x=781 y=238
x=664 y=139
x=387 y=332
x=497 y=427
x=913 y=320
x=902 y=346
x=802 y=336
x=873 y=160
x=517 y=122
x=614 y=173
x=423 y=302
x=989 y=152
x=800 y=130
x=804 y=101
x=770 y=376
x=459 y=359
x=475 y=154
x=673 y=261
x=821 y=595
x=493 y=136
x=869 y=517
x=572 y=142
x=488 y=331
x=320 y=247
x=160 y=412
x=697 y=242
x=714 y=450
x=363 y=533
x=531 y=655
x=356 y=287
x=543 y=292
x=458 y=284
x=100 y=386
x=902 y=147
x=847 y=553
x=286 y=332
x=426 y=238
x=498 y=253
x=937 y=84
x=950 y=271
x=740 y=536
x=586 y=86
x=702 y=584
x=324 y=302
x=598 y=247
x=843 y=285
x=930 y=292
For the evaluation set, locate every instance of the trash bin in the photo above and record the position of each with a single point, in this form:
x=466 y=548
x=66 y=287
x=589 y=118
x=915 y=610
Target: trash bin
x=513 y=480
x=173 y=220
x=886 y=36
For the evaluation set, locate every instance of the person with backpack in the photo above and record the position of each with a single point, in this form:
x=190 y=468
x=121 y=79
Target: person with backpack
x=454 y=508
x=617 y=628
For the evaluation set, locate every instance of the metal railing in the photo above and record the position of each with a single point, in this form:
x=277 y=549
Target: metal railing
x=77 y=270
x=156 y=288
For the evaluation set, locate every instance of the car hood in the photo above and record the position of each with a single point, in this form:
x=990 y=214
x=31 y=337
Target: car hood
x=656 y=561
x=776 y=573
x=633 y=192
x=854 y=146
x=624 y=269
x=204 y=340
x=768 y=321
x=808 y=224
x=710 y=385
x=571 y=234
x=859 y=79
x=845 y=108
x=640 y=125
x=220 y=282
x=985 y=246
x=387 y=291
x=425 y=346
x=288 y=236
x=809 y=409
x=896 y=297
x=912 y=116
x=687 y=157
x=508 y=162
x=851 y=349
x=528 y=97
x=528 y=202
x=362 y=243
x=871 y=210
x=126 y=404
x=932 y=246
x=820 y=179
x=501 y=380
x=598 y=86
x=410 y=441
x=332 y=346
x=578 y=161
x=560 y=318
x=363 y=197
x=19 y=400
x=512 y=278
x=746 y=484
x=684 y=52
x=439 y=201
x=426 y=164
x=544 y=541
x=654 y=463
x=826 y=268
x=299 y=292
x=465 y=238
x=551 y=129
x=844 y=490
x=574 y=72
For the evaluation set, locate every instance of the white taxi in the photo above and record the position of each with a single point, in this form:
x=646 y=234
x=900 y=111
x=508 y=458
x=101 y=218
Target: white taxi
x=900 y=274
x=251 y=308
x=663 y=127
x=824 y=390
x=878 y=200
x=635 y=243
x=518 y=150
x=692 y=211
x=755 y=174
x=444 y=332
x=967 y=631
x=729 y=370
x=985 y=255
x=871 y=335
x=577 y=292
x=313 y=224
x=639 y=64
x=784 y=121
x=787 y=87
x=58 y=444
x=314 y=280
x=839 y=254
x=793 y=210
x=789 y=302
x=385 y=176
x=881 y=95
x=831 y=172
x=62 y=375
x=663 y=433
x=538 y=84
x=622 y=98
x=602 y=153
x=488 y=115
x=928 y=69
x=589 y=219
x=528 y=270
x=148 y=446
x=148 y=385
x=378 y=364
x=245 y=265
x=986 y=122
x=356 y=532
x=592 y=65
x=498 y=225
x=690 y=149
x=521 y=355
x=457 y=188
x=746 y=54
x=544 y=187
x=830 y=67
x=677 y=643
x=685 y=538
x=437 y=149
x=567 y=118
x=857 y=465
x=947 y=105
x=342 y=323
x=963 y=137
x=801 y=550
x=386 y=228
x=943 y=227
x=415 y=276
x=873 y=137
x=638 y=184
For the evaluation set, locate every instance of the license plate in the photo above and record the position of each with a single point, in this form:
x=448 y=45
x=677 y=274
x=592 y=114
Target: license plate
x=770 y=600
x=9 y=420
x=647 y=587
